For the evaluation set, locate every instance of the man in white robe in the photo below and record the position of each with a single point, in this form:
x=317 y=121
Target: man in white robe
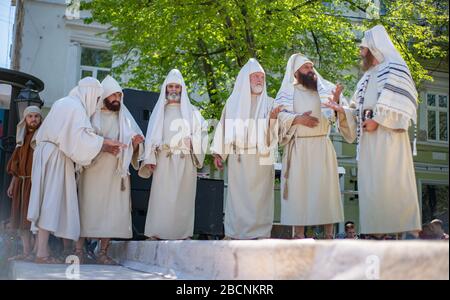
x=65 y=138
x=174 y=149
x=310 y=180
x=104 y=185
x=247 y=137
x=381 y=110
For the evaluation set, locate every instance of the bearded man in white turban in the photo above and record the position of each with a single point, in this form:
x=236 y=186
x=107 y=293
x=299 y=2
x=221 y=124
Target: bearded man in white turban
x=310 y=180
x=174 y=149
x=381 y=110
x=104 y=185
x=247 y=137
x=65 y=139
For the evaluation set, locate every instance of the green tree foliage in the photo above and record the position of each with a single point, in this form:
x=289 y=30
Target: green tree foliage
x=209 y=40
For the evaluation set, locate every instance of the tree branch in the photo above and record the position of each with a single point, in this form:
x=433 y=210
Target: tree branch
x=364 y=10
x=211 y=85
x=316 y=43
x=249 y=36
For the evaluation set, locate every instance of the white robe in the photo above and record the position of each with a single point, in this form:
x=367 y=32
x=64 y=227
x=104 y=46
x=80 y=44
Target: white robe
x=387 y=192
x=249 y=206
x=310 y=195
x=171 y=207
x=105 y=209
x=65 y=137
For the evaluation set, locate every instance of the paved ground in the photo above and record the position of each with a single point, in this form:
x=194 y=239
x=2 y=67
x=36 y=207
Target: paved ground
x=31 y=271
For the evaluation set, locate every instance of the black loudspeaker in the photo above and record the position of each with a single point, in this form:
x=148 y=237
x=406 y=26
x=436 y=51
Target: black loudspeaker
x=140 y=104
x=209 y=196
x=209 y=208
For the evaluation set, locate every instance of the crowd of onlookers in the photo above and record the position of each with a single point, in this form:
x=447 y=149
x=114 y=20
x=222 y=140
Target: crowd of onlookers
x=433 y=230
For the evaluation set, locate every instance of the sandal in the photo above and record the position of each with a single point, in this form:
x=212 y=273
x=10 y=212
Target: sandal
x=104 y=259
x=30 y=257
x=47 y=260
x=18 y=257
x=81 y=256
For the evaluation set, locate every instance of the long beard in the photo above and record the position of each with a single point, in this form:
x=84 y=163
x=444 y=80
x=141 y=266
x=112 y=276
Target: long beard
x=112 y=106
x=308 y=80
x=367 y=61
x=257 y=89
x=174 y=97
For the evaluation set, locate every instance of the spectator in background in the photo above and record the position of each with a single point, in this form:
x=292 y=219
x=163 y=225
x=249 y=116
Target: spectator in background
x=438 y=229
x=433 y=231
x=427 y=232
x=350 y=230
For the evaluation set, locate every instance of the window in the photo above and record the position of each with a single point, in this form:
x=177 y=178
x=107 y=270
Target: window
x=95 y=62
x=435 y=202
x=383 y=8
x=437 y=117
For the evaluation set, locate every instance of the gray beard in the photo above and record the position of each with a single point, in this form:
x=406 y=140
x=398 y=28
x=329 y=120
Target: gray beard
x=174 y=97
x=257 y=89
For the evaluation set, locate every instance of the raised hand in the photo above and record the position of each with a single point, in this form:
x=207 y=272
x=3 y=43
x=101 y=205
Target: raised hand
x=337 y=93
x=333 y=105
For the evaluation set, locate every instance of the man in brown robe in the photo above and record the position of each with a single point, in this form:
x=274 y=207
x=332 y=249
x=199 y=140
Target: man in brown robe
x=19 y=167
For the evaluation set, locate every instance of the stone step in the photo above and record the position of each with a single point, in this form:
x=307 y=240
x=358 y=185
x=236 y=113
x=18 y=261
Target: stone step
x=287 y=259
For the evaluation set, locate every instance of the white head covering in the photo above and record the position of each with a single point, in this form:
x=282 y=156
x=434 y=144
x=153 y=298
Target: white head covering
x=285 y=95
x=381 y=46
x=128 y=127
x=191 y=116
x=238 y=108
x=88 y=91
x=396 y=88
x=21 y=129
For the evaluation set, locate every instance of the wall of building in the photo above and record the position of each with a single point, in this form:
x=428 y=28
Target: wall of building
x=51 y=46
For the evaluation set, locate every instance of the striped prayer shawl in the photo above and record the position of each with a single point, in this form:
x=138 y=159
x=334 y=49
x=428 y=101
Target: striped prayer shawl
x=396 y=92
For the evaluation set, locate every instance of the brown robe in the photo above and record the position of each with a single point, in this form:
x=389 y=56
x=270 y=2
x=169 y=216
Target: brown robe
x=20 y=166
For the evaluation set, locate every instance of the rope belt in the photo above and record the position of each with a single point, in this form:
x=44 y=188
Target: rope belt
x=235 y=152
x=22 y=192
x=171 y=150
x=50 y=142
